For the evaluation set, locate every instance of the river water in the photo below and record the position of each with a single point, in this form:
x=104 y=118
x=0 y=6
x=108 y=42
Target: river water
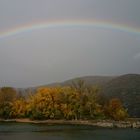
x=25 y=131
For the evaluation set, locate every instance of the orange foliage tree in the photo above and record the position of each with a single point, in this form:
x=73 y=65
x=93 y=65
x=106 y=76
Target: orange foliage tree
x=115 y=110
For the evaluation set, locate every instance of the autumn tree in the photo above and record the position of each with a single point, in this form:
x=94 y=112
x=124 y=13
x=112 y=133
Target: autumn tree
x=87 y=100
x=115 y=110
x=7 y=96
x=19 y=108
x=79 y=101
x=45 y=104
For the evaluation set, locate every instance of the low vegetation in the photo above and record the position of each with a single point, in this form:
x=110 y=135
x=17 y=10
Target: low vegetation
x=76 y=102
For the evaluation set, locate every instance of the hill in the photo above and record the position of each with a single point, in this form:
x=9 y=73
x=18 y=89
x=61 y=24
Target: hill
x=89 y=80
x=125 y=87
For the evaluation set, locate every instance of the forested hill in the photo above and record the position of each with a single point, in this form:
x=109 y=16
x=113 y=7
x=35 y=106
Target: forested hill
x=125 y=87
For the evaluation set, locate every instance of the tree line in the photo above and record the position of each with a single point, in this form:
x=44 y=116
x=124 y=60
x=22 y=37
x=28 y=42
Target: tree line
x=76 y=102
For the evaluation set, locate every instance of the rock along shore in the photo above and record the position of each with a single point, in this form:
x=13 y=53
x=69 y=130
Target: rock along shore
x=96 y=123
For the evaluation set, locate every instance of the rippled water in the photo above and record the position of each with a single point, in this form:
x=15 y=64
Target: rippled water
x=22 y=131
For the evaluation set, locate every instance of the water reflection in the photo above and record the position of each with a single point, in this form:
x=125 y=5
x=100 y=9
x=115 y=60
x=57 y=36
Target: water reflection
x=20 y=131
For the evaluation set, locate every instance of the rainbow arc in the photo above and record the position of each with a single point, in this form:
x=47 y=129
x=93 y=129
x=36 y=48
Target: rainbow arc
x=68 y=24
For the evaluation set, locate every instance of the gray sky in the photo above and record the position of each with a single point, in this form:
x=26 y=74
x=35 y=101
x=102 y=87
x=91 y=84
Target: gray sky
x=57 y=54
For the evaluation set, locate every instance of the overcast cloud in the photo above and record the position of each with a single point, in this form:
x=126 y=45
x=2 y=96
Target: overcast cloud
x=57 y=54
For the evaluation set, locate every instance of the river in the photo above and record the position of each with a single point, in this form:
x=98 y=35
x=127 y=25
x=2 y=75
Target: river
x=26 y=131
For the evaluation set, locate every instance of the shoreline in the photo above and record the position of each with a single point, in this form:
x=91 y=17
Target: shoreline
x=96 y=123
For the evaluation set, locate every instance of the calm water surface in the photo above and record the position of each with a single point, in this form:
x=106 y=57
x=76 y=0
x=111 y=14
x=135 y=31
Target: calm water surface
x=20 y=131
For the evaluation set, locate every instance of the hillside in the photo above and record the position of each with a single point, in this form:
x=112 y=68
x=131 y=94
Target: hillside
x=89 y=80
x=125 y=87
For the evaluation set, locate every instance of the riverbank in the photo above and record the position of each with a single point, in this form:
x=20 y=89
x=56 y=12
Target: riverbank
x=96 y=123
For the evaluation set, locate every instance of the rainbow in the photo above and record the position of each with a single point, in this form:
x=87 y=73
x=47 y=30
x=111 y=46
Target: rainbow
x=68 y=24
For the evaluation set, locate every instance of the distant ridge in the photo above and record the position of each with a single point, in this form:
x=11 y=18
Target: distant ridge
x=90 y=80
